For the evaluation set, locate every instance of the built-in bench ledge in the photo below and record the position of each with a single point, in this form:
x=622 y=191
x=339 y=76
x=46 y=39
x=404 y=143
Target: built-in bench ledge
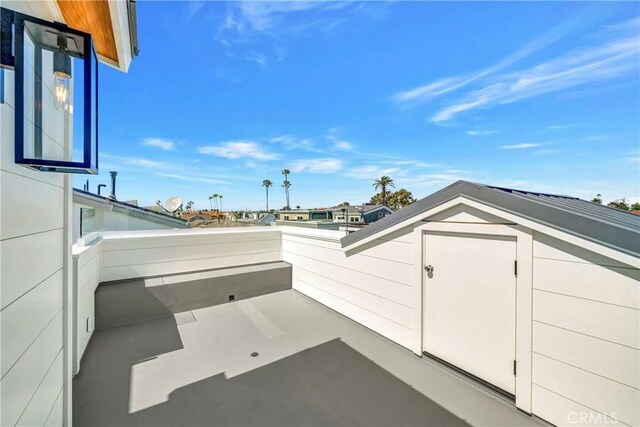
x=122 y=302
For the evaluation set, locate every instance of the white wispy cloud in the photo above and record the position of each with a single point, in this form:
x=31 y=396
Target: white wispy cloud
x=436 y=179
x=371 y=172
x=342 y=145
x=476 y=132
x=418 y=95
x=190 y=178
x=266 y=16
x=413 y=163
x=119 y=161
x=291 y=142
x=257 y=57
x=161 y=143
x=265 y=26
x=326 y=165
x=237 y=150
x=615 y=57
x=612 y=59
x=523 y=146
x=338 y=143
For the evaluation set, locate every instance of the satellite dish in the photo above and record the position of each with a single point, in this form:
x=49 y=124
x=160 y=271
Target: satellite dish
x=173 y=204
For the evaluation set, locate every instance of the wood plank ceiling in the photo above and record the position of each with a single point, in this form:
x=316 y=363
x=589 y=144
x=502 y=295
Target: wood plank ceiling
x=92 y=16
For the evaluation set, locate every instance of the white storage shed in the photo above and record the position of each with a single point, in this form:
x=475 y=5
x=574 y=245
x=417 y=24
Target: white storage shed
x=535 y=295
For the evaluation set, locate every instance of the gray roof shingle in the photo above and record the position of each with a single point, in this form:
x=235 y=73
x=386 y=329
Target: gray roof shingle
x=610 y=227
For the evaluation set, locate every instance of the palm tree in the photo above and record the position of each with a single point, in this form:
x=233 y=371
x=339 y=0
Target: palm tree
x=215 y=200
x=286 y=184
x=189 y=205
x=383 y=182
x=220 y=197
x=210 y=203
x=266 y=184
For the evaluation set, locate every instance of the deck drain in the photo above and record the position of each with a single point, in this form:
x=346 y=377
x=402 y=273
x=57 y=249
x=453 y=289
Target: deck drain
x=254 y=354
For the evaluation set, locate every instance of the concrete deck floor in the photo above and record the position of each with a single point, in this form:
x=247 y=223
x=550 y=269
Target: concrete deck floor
x=314 y=367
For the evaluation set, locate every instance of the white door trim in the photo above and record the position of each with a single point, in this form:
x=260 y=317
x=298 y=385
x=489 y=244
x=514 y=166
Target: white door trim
x=524 y=293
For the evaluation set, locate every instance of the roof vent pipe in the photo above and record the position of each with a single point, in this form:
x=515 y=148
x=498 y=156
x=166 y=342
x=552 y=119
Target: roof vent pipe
x=113 y=184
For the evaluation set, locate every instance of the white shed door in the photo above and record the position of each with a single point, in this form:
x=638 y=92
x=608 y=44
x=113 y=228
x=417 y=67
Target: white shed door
x=470 y=304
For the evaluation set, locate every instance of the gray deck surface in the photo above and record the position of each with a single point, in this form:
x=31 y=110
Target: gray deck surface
x=314 y=368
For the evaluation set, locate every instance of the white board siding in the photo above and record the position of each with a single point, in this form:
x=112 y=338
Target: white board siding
x=366 y=286
x=551 y=248
x=393 y=331
x=613 y=399
x=7 y=159
x=27 y=317
x=123 y=257
x=613 y=285
x=55 y=417
x=187 y=237
x=138 y=256
x=616 y=362
x=387 y=269
x=586 y=336
x=32 y=209
x=563 y=412
x=89 y=264
x=395 y=251
x=395 y=312
x=609 y=322
x=21 y=383
x=29 y=197
x=27 y=261
x=42 y=402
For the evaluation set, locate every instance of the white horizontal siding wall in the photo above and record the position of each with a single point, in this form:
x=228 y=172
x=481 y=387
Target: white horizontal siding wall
x=586 y=337
x=127 y=255
x=87 y=264
x=32 y=264
x=374 y=287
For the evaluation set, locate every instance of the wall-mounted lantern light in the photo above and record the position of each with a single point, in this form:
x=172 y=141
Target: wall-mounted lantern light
x=56 y=93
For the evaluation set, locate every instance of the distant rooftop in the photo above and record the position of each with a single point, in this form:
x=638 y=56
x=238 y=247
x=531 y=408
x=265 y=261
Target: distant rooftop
x=105 y=203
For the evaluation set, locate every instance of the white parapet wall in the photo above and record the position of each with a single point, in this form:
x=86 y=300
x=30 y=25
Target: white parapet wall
x=87 y=265
x=132 y=254
x=374 y=287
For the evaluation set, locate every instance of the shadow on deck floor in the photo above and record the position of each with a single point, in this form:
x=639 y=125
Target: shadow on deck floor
x=329 y=384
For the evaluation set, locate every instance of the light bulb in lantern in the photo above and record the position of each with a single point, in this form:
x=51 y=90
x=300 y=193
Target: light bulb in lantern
x=61 y=92
x=61 y=75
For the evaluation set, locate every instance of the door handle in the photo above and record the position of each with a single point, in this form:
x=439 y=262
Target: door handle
x=429 y=268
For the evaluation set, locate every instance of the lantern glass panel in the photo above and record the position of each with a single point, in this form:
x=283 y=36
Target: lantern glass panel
x=56 y=97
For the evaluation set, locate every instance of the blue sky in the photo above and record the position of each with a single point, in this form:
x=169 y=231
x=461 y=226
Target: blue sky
x=539 y=96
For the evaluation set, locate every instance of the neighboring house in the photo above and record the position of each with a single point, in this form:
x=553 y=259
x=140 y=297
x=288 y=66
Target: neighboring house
x=205 y=216
x=98 y=213
x=353 y=214
x=373 y=214
x=304 y=214
x=360 y=214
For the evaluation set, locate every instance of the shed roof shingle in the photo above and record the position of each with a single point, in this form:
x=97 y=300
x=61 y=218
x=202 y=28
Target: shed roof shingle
x=610 y=227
